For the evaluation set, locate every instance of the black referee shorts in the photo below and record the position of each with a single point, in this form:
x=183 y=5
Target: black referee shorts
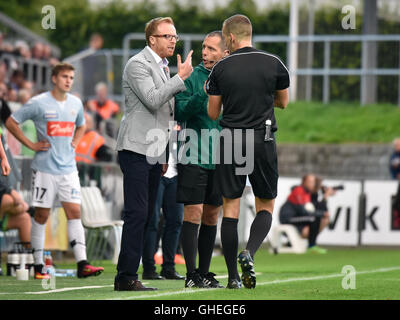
x=263 y=178
x=197 y=185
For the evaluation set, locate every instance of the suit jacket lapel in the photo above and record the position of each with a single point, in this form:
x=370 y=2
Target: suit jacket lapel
x=154 y=64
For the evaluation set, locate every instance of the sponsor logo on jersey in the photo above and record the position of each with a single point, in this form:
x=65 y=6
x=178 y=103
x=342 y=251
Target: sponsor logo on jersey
x=51 y=114
x=60 y=128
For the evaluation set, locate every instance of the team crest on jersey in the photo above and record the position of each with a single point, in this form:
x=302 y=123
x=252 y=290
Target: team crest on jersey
x=60 y=128
x=51 y=114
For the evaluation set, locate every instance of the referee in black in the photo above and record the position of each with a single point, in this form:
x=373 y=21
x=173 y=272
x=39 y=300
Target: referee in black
x=248 y=84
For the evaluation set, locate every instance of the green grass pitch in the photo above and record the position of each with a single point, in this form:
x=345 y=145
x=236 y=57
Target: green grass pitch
x=283 y=276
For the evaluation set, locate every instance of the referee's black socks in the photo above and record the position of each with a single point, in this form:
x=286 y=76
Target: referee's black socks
x=230 y=242
x=259 y=230
x=206 y=242
x=189 y=244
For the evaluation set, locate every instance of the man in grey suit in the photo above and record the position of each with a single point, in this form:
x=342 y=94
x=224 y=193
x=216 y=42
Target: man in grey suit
x=143 y=138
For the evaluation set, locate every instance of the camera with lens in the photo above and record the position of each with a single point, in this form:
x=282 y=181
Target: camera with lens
x=336 y=188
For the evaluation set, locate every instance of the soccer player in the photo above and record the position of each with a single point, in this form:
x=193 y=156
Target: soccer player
x=248 y=83
x=196 y=179
x=59 y=122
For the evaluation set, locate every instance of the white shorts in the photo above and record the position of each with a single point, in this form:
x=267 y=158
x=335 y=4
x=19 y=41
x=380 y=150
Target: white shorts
x=46 y=186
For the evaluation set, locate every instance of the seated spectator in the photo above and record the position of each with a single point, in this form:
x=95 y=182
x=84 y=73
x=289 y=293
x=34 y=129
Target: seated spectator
x=92 y=146
x=299 y=211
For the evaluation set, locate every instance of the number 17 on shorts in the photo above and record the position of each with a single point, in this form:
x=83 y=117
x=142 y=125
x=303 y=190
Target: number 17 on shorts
x=46 y=186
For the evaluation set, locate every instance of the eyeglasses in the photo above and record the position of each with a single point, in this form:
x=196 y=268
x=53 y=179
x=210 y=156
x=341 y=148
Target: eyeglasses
x=169 y=37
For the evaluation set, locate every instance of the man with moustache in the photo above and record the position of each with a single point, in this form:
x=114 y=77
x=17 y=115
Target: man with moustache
x=196 y=178
x=149 y=104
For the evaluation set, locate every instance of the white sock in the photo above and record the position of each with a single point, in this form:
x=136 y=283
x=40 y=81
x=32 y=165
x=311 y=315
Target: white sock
x=37 y=241
x=76 y=235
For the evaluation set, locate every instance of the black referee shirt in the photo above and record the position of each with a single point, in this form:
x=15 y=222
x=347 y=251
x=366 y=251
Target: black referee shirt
x=247 y=81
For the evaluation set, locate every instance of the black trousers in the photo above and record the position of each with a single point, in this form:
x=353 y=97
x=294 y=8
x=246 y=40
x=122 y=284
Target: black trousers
x=141 y=180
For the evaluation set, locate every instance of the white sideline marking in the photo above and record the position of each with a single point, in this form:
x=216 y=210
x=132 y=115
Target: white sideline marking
x=68 y=289
x=190 y=291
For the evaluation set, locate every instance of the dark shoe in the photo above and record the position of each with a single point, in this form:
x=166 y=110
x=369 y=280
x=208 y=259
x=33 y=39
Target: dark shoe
x=132 y=285
x=248 y=273
x=152 y=276
x=234 y=284
x=86 y=270
x=39 y=274
x=194 y=280
x=210 y=281
x=171 y=275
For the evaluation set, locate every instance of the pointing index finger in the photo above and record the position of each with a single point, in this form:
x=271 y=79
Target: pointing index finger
x=189 y=56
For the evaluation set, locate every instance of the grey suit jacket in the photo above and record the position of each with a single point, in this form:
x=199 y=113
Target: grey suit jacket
x=149 y=106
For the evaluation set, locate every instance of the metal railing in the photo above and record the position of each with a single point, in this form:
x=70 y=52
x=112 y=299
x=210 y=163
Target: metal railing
x=93 y=66
x=326 y=72
x=37 y=71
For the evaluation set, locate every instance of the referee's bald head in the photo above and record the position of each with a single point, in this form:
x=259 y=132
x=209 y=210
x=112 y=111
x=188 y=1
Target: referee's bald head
x=239 y=25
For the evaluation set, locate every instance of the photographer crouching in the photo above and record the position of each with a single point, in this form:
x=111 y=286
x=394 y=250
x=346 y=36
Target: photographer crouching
x=306 y=208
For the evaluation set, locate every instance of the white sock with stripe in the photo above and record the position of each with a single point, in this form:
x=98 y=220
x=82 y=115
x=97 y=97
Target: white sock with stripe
x=37 y=241
x=76 y=236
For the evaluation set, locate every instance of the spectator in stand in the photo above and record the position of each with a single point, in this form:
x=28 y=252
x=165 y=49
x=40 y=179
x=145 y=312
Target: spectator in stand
x=17 y=79
x=92 y=146
x=29 y=86
x=96 y=41
x=46 y=53
x=24 y=95
x=22 y=49
x=12 y=95
x=7 y=47
x=3 y=72
x=103 y=107
x=37 y=51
